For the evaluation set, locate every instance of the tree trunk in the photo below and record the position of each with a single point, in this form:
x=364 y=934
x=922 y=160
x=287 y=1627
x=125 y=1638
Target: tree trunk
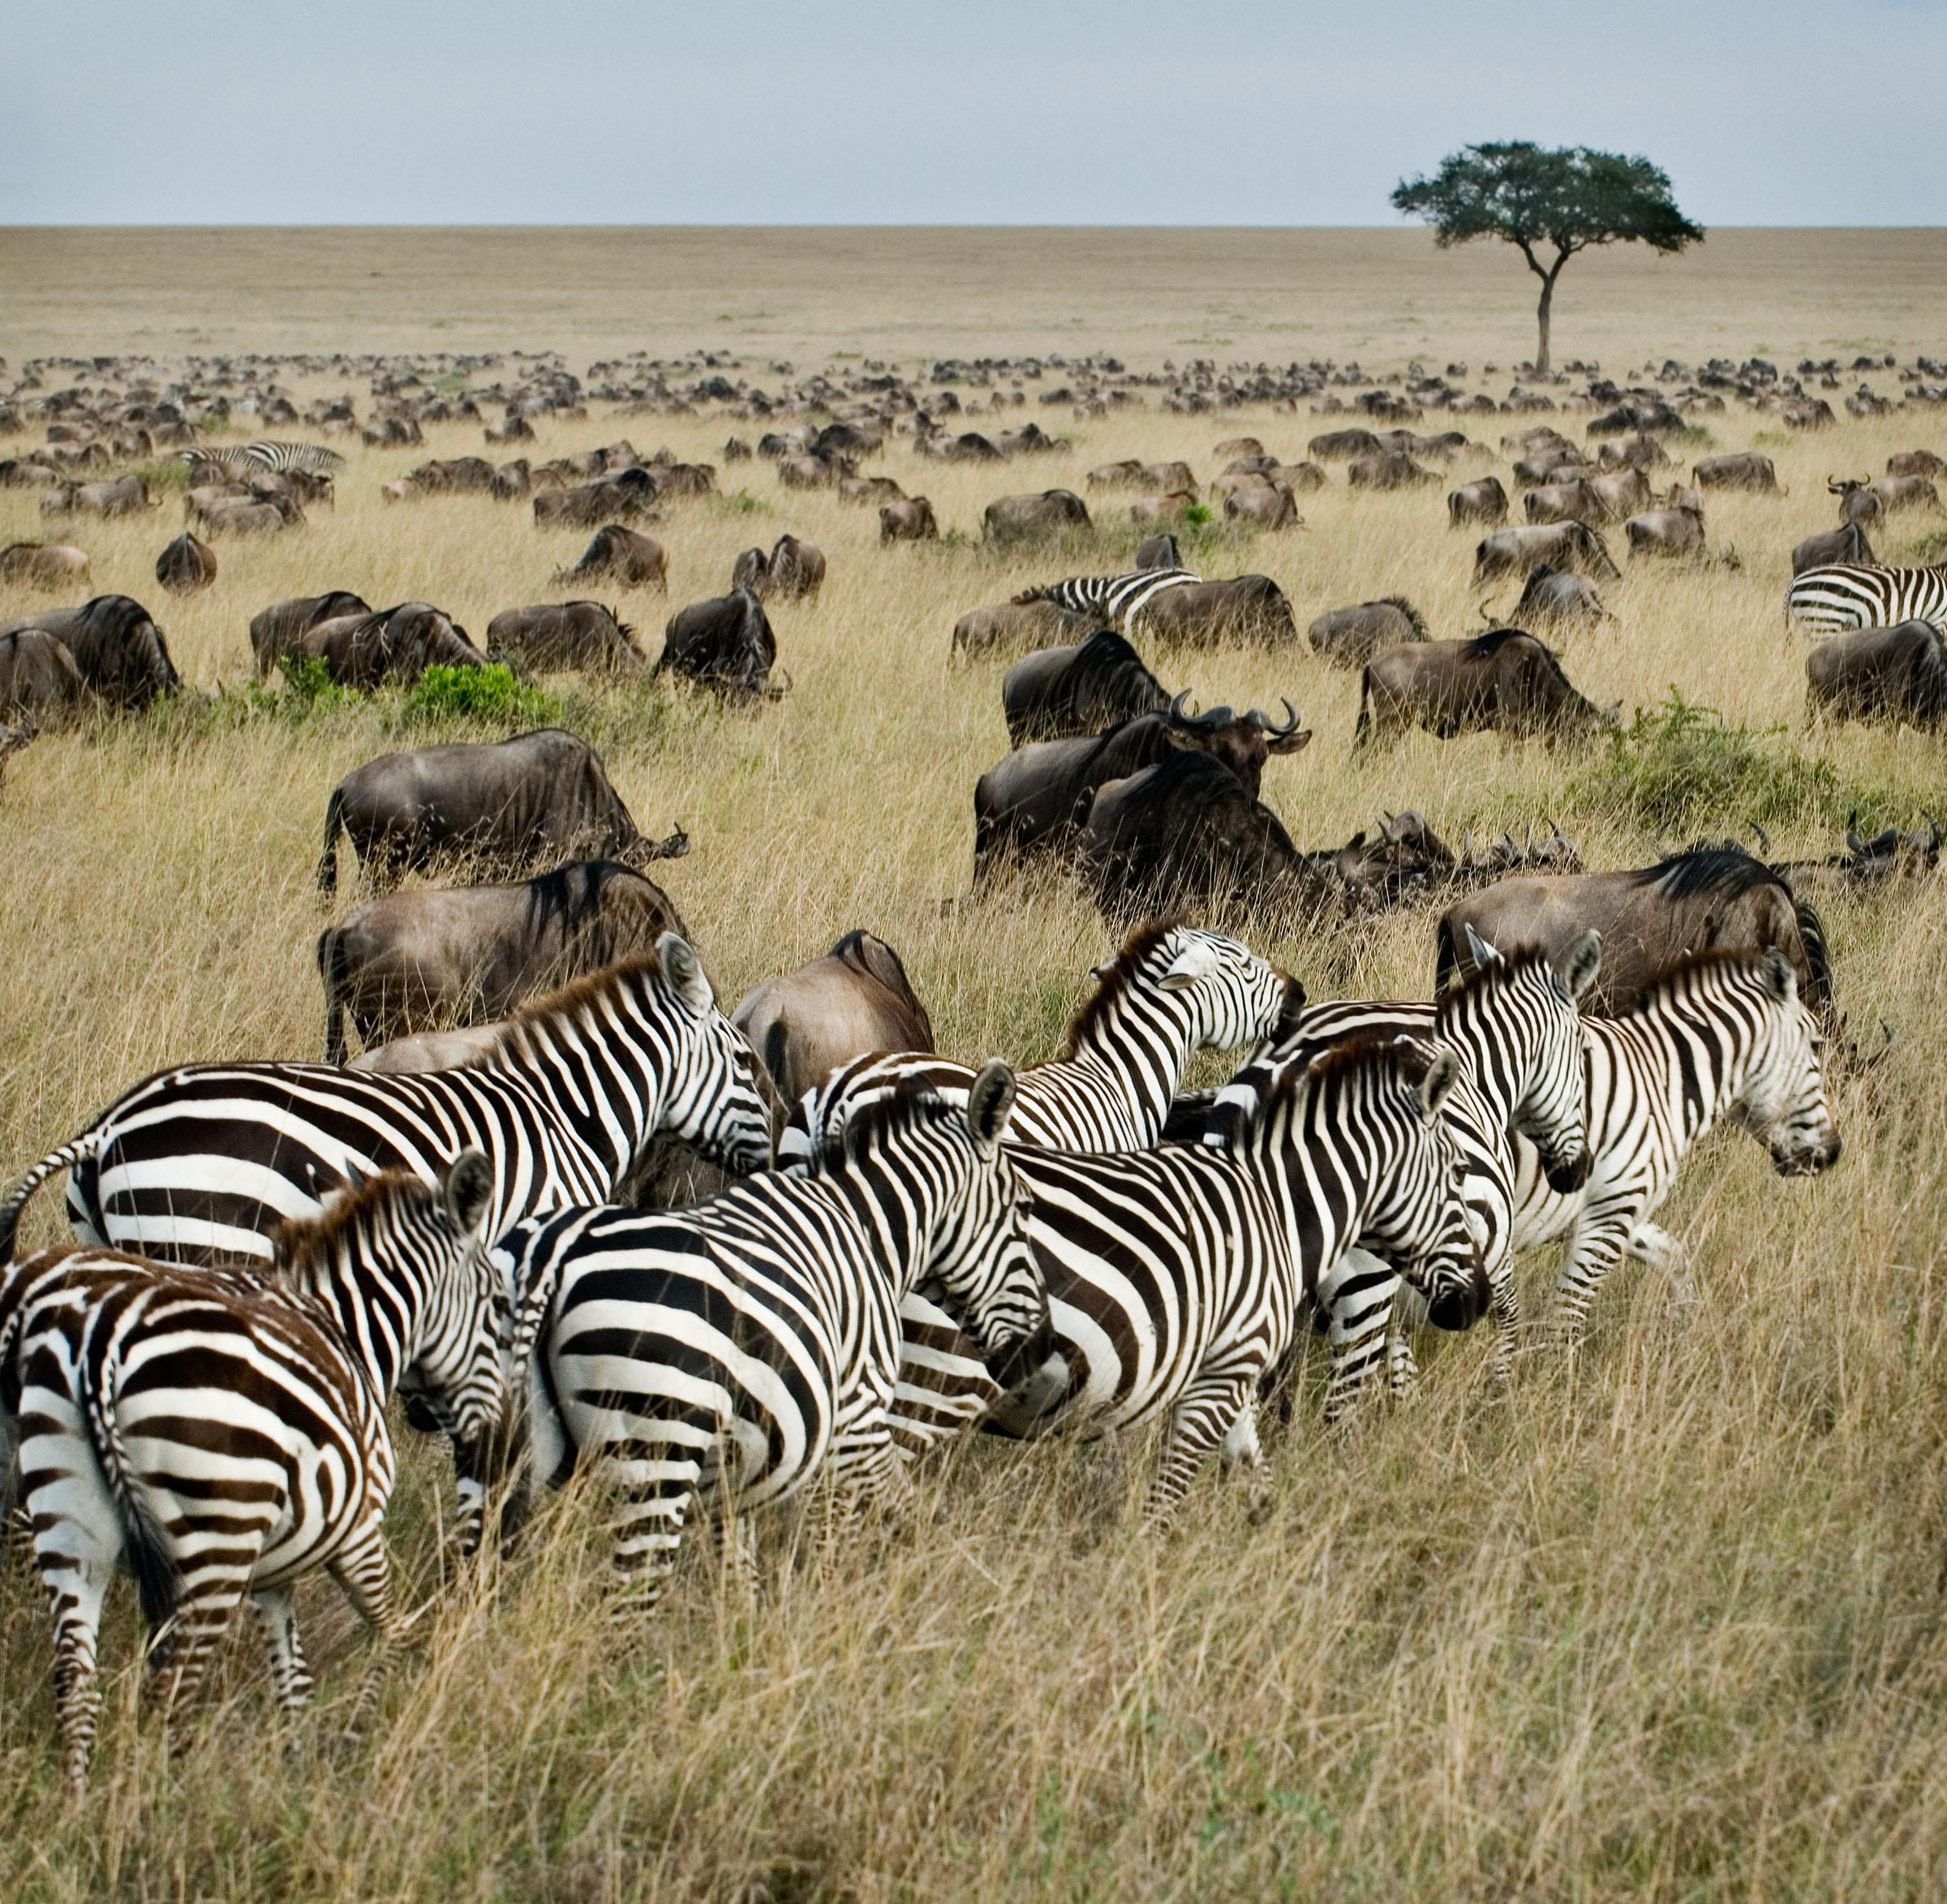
x=1542 y=315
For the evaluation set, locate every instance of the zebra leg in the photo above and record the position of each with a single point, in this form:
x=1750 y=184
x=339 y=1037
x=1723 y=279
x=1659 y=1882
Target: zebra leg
x=211 y=1591
x=77 y=1583
x=1359 y=1309
x=656 y=1486
x=363 y=1571
x=1595 y=1247
x=1241 y=1448
x=1504 y=1314
x=1402 y=1370
x=1206 y=1413
x=276 y=1607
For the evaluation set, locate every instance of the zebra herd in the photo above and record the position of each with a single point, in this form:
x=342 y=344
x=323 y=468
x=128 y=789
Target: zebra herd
x=270 y=1252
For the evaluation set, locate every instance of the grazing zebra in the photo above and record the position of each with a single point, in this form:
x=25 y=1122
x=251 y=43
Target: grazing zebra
x=199 y=1164
x=1848 y=594
x=748 y=1347
x=222 y=1433
x=243 y=459
x=1170 y=990
x=1115 y=601
x=1723 y=1035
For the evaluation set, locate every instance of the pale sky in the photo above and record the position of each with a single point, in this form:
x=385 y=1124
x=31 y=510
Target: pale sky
x=1061 y=112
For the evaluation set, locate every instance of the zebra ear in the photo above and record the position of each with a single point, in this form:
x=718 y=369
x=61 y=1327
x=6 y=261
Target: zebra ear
x=1197 y=960
x=990 y=1104
x=1584 y=960
x=1779 y=979
x=468 y=1191
x=684 y=971
x=1442 y=1074
x=1481 y=955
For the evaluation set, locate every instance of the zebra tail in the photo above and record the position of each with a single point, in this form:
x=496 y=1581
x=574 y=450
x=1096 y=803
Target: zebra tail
x=328 y=862
x=158 y=1578
x=77 y=1150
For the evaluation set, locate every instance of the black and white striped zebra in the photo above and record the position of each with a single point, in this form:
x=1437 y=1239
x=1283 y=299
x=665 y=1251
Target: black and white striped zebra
x=221 y=1433
x=1847 y=595
x=1724 y=1034
x=199 y=1164
x=277 y=458
x=1112 y=601
x=747 y=1348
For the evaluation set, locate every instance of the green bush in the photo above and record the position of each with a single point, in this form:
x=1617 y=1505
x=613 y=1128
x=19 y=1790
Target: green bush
x=490 y=695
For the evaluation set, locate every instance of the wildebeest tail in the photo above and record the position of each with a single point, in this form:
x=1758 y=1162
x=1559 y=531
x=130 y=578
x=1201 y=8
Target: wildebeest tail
x=76 y=1151
x=773 y=1053
x=1447 y=961
x=1818 y=960
x=328 y=862
x=157 y=1578
x=332 y=964
x=1362 y=727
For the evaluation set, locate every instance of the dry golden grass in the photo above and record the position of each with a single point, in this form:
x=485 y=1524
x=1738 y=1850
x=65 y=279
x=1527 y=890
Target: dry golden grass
x=1673 y=1628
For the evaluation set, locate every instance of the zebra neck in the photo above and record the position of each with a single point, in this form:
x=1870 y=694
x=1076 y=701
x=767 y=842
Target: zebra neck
x=1319 y=1187
x=1140 y=1058
x=602 y=1081
x=378 y=1320
x=1467 y=1029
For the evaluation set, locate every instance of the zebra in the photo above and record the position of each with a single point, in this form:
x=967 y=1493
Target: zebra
x=1858 y=595
x=1115 y=601
x=278 y=458
x=1722 y=1034
x=748 y=1347
x=223 y=1433
x=198 y=1164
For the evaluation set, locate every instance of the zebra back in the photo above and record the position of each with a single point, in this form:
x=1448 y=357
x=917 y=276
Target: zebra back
x=1117 y=599
x=267 y=454
x=1843 y=595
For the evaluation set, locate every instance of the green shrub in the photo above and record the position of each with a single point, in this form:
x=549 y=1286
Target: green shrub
x=308 y=689
x=490 y=695
x=1197 y=515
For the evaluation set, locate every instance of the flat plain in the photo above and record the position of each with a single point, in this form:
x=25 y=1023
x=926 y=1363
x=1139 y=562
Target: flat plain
x=1669 y=1625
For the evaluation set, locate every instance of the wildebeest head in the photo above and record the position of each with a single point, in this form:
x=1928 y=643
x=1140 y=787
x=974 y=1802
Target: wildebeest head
x=751 y=570
x=1242 y=741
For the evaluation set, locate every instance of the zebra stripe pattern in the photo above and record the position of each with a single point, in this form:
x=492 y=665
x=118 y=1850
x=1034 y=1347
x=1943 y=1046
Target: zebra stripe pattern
x=1116 y=601
x=749 y=1347
x=1845 y=594
x=222 y=1434
x=1724 y=1034
x=276 y=458
x=198 y=1165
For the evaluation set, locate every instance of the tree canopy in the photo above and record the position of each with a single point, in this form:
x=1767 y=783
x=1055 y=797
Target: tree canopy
x=1535 y=198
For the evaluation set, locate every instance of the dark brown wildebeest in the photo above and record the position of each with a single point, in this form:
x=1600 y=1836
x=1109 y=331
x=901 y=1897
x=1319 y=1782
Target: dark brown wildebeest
x=457 y=475
x=514 y=428
x=1748 y=470
x=116 y=645
x=1864 y=501
x=1504 y=681
x=623 y=555
x=1245 y=607
x=1481 y=501
x=725 y=643
x=910 y=519
x=1054 y=512
x=792 y=569
x=1126 y=474
x=685 y=479
x=1549 y=597
x=1339 y=445
x=1707 y=899
x=1666 y=532
x=238 y=517
x=1234 y=447
x=1387 y=469
x=1028 y=802
x=1015 y=625
x=629 y=494
x=1167 y=478
x=43 y=564
x=856 y=999
x=1867 y=864
x=1268 y=506
x=1916 y=462
x=1058 y=694
x=1572 y=501
x=1896 y=677
x=815 y=472
x=1571 y=546
x=1349 y=638
x=869 y=491
x=431 y=959
x=1548 y=465
x=566 y=634
x=395 y=645
x=120 y=495
x=1848 y=544
x=273 y=629
x=1158 y=552
x=186 y=564
x=512 y=481
x=39 y=685
x=501 y=805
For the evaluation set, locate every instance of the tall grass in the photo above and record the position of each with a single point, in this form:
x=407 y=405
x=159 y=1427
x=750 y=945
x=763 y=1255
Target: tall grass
x=1670 y=1627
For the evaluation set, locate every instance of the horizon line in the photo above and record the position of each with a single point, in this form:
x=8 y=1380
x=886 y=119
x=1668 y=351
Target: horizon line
x=791 y=225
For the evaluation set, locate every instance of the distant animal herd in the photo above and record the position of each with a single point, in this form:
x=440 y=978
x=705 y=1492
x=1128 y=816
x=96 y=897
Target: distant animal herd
x=492 y=1212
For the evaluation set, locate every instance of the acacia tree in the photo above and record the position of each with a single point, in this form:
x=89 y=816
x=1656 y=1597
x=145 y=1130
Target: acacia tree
x=1531 y=198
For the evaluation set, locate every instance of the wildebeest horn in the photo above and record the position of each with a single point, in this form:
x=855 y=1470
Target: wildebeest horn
x=1291 y=723
x=1764 y=837
x=1933 y=843
x=1177 y=710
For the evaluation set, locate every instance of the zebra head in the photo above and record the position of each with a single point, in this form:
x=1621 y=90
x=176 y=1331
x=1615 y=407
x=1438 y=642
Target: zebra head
x=1221 y=993
x=715 y=1098
x=1782 y=1102
x=1520 y=1018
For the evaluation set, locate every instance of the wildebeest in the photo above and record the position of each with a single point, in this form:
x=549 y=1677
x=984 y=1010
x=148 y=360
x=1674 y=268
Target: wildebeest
x=623 y=555
x=1748 y=470
x=1550 y=596
x=116 y=645
x=566 y=634
x=43 y=564
x=629 y=494
x=1916 y=462
x=1126 y=474
x=1847 y=544
x=856 y=999
x=1570 y=547
x=1621 y=492
x=725 y=643
x=1572 y=501
x=1051 y=513
x=1666 y=532
x=910 y=519
x=1387 y=469
x=186 y=564
x=500 y=804
x=394 y=645
x=1481 y=501
x=792 y=567
x=1158 y=552
x=1029 y=802
x=1350 y=636
x=1342 y=444
x=1861 y=501
x=40 y=684
x=1709 y=898
x=1867 y=863
x=1056 y=694
x=273 y=629
x=120 y=495
x=1895 y=676
x=1007 y=626
x=428 y=959
x=1149 y=510
x=1268 y=506
x=1243 y=608
x=1505 y=681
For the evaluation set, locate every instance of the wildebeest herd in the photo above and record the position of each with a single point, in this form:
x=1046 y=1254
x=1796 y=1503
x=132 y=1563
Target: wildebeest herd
x=495 y=1210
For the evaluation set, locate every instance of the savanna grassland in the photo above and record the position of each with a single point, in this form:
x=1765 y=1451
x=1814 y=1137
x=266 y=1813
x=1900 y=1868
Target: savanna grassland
x=1671 y=1626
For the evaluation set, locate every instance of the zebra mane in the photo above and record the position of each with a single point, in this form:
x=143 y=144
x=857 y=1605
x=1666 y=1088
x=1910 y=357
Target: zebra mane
x=1116 y=979
x=304 y=1244
x=1364 y=1050
x=570 y=1002
x=911 y=1102
x=1511 y=962
x=1717 y=958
